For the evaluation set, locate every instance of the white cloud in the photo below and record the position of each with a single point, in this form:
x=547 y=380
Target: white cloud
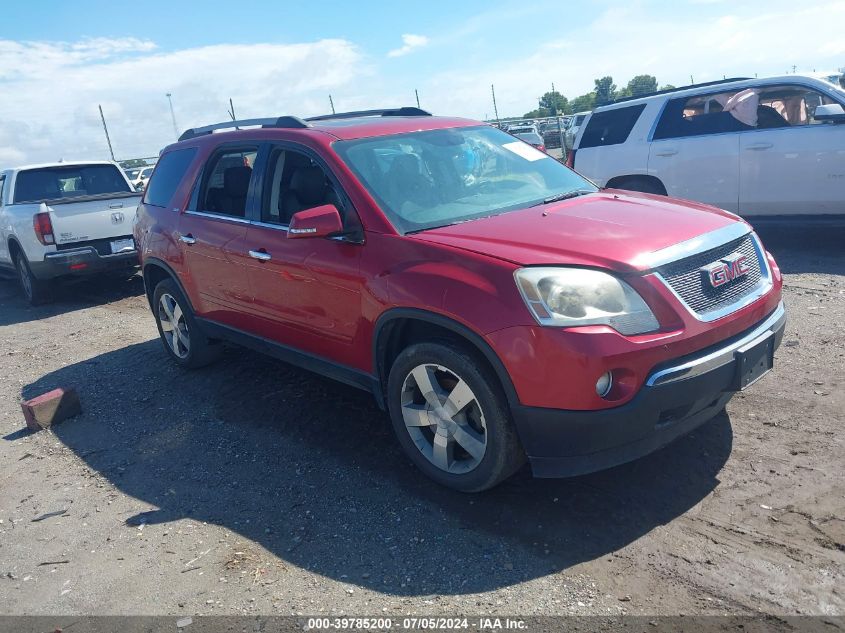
x=51 y=91
x=627 y=41
x=411 y=43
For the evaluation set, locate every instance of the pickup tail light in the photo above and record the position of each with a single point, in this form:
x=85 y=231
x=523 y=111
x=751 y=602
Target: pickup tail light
x=570 y=159
x=43 y=228
x=542 y=148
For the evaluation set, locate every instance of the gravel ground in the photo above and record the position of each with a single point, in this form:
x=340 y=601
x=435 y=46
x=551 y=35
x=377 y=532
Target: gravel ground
x=253 y=487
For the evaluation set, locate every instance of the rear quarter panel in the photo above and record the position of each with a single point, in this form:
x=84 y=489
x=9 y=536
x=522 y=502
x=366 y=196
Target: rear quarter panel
x=630 y=158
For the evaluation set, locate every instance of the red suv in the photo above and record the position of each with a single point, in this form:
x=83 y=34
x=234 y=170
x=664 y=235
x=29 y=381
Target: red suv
x=496 y=303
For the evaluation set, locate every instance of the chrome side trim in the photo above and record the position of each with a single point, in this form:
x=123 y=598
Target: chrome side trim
x=719 y=357
x=693 y=246
x=218 y=216
x=763 y=287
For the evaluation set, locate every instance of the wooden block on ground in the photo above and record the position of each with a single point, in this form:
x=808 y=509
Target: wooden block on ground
x=51 y=408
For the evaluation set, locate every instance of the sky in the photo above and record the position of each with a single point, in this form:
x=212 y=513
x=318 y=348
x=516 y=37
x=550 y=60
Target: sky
x=60 y=60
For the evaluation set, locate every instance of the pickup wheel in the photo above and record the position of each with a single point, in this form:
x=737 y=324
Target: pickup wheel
x=178 y=329
x=37 y=291
x=451 y=418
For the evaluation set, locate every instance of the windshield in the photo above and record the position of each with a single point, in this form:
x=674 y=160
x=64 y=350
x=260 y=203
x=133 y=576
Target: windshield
x=423 y=180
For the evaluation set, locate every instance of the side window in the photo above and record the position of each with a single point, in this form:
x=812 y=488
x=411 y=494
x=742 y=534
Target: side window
x=2 y=188
x=611 y=127
x=169 y=172
x=788 y=106
x=706 y=114
x=225 y=182
x=294 y=182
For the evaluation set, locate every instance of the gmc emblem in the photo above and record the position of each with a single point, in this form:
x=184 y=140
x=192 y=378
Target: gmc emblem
x=725 y=270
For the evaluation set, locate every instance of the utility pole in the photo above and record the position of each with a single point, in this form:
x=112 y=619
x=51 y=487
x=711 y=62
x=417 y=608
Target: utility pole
x=417 y=95
x=495 y=107
x=331 y=103
x=106 y=130
x=232 y=110
x=173 y=115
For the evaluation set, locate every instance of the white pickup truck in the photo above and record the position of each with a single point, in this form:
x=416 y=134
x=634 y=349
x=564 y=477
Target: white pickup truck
x=65 y=219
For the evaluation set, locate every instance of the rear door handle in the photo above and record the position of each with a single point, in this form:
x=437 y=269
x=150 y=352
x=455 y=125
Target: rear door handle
x=187 y=239
x=759 y=146
x=262 y=256
x=666 y=152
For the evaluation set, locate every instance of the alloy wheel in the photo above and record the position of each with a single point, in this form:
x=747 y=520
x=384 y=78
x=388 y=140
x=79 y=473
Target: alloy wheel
x=444 y=418
x=174 y=327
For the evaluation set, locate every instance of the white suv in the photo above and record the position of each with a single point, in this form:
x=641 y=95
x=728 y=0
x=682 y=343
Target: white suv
x=758 y=147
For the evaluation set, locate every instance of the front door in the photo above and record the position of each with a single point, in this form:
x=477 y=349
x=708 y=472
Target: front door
x=306 y=292
x=791 y=164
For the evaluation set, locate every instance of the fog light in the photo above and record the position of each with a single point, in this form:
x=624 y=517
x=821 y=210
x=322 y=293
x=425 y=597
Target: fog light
x=603 y=384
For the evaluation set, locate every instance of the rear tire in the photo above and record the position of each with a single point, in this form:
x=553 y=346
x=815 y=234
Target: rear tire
x=36 y=291
x=180 y=334
x=451 y=417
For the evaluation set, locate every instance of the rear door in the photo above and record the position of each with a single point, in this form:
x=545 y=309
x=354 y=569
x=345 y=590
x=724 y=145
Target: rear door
x=212 y=234
x=307 y=292
x=695 y=150
x=87 y=203
x=791 y=164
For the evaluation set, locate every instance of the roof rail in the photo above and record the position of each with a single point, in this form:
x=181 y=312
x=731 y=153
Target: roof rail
x=405 y=111
x=679 y=88
x=279 y=122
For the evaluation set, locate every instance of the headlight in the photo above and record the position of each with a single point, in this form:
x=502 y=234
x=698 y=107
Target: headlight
x=569 y=297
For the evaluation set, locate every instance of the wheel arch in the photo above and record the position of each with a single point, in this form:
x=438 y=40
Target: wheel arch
x=154 y=272
x=397 y=327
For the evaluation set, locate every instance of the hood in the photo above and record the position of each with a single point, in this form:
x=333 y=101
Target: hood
x=609 y=229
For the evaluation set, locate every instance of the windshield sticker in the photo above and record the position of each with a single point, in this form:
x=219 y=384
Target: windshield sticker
x=524 y=150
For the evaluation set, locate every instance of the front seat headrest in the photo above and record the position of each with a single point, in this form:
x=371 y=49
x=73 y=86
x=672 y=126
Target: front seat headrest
x=236 y=181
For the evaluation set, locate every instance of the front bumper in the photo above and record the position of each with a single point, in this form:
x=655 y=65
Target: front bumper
x=81 y=261
x=677 y=397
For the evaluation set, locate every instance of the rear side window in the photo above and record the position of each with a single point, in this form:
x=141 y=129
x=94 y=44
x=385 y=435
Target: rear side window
x=169 y=172
x=610 y=127
x=226 y=181
x=53 y=183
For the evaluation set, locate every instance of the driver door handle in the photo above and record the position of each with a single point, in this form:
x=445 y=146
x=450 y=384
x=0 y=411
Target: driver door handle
x=187 y=239
x=759 y=146
x=261 y=255
x=666 y=152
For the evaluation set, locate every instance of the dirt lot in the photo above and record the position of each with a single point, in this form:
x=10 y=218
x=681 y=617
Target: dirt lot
x=253 y=487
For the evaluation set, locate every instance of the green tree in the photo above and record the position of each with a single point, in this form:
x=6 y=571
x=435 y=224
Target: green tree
x=641 y=84
x=583 y=103
x=667 y=87
x=133 y=162
x=555 y=103
x=605 y=90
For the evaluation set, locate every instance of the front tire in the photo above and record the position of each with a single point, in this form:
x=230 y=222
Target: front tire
x=180 y=334
x=36 y=291
x=451 y=418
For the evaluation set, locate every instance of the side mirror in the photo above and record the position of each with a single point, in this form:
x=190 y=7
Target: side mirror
x=830 y=112
x=321 y=221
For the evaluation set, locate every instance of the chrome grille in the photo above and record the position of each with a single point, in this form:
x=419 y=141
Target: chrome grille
x=685 y=278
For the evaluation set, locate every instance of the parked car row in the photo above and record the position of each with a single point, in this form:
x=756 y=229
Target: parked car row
x=761 y=148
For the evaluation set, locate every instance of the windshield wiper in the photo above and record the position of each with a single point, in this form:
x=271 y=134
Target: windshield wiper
x=564 y=196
